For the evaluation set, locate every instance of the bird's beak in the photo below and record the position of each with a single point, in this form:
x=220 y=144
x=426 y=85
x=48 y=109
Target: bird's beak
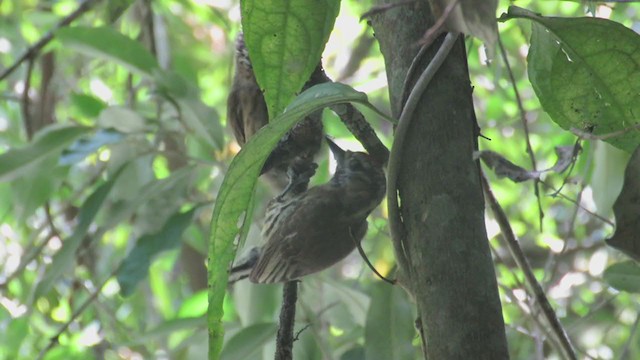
x=338 y=153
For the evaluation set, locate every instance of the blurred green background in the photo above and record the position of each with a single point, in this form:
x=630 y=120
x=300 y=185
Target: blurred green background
x=104 y=219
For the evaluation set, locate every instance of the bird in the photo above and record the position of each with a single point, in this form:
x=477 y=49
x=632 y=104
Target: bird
x=247 y=113
x=307 y=230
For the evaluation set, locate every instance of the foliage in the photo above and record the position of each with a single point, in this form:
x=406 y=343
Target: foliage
x=113 y=154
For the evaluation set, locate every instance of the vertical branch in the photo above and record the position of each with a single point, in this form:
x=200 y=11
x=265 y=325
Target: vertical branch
x=523 y=264
x=26 y=102
x=284 y=339
x=525 y=125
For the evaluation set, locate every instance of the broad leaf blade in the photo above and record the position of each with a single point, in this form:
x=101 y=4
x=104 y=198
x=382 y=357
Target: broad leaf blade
x=106 y=43
x=135 y=266
x=229 y=214
x=389 y=329
x=64 y=259
x=15 y=162
x=583 y=79
x=285 y=39
x=248 y=342
x=627 y=211
x=624 y=276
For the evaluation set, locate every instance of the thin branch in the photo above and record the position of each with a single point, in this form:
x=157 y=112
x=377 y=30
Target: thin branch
x=29 y=257
x=53 y=341
x=521 y=260
x=395 y=220
x=366 y=259
x=34 y=49
x=357 y=125
x=431 y=33
x=589 y=136
x=26 y=101
x=284 y=339
x=525 y=126
x=624 y=354
x=565 y=197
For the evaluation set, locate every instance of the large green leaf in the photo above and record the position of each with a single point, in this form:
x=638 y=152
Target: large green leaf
x=53 y=139
x=624 y=276
x=285 y=39
x=136 y=265
x=229 y=214
x=105 y=42
x=248 y=342
x=64 y=259
x=389 y=329
x=583 y=78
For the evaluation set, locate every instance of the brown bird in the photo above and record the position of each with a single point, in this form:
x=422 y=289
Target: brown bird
x=309 y=230
x=247 y=113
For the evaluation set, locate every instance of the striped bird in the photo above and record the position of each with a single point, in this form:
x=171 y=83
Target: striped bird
x=309 y=230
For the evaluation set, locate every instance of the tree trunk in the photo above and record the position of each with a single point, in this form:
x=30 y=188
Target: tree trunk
x=450 y=270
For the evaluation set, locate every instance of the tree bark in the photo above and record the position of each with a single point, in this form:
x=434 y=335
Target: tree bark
x=450 y=272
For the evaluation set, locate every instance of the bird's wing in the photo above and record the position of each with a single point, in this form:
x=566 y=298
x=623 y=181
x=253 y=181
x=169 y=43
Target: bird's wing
x=234 y=117
x=295 y=248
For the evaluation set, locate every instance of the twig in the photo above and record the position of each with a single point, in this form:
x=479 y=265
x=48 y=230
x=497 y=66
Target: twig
x=589 y=136
x=521 y=260
x=35 y=48
x=565 y=197
x=525 y=126
x=624 y=354
x=297 y=336
x=574 y=156
x=357 y=125
x=395 y=221
x=53 y=341
x=29 y=257
x=434 y=30
x=284 y=339
x=366 y=259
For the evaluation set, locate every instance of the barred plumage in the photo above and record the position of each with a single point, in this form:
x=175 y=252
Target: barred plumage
x=308 y=230
x=247 y=113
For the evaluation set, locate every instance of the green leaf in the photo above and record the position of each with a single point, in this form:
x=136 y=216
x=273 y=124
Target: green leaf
x=248 y=342
x=115 y=8
x=285 y=39
x=105 y=42
x=82 y=148
x=194 y=306
x=64 y=259
x=238 y=186
x=87 y=105
x=36 y=186
x=135 y=266
x=122 y=119
x=15 y=332
x=200 y=119
x=389 y=329
x=624 y=276
x=583 y=79
x=627 y=211
x=16 y=162
x=167 y=328
x=144 y=194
